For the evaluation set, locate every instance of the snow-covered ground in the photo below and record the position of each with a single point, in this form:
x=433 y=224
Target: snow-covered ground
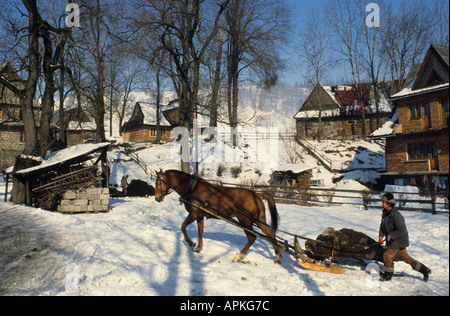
x=138 y=249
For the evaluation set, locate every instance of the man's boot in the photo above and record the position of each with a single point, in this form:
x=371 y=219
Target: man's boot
x=424 y=270
x=387 y=274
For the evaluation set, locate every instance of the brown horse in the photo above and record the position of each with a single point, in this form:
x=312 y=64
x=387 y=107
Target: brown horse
x=244 y=204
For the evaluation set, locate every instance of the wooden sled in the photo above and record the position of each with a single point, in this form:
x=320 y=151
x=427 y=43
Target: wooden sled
x=322 y=266
x=315 y=265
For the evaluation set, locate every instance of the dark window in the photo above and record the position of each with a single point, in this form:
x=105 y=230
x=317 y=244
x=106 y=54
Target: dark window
x=426 y=109
x=412 y=109
x=420 y=151
x=418 y=110
x=434 y=150
x=411 y=153
x=445 y=106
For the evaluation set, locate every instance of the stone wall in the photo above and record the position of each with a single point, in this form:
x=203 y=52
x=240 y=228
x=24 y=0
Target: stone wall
x=85 y=201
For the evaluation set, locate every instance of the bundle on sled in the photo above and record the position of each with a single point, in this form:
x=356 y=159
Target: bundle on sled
x=332 y=245
x=344 y=243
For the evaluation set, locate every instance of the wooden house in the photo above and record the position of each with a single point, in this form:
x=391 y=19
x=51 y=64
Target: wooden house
x=79 y=128
x=335 y=112
x=417 y=144
x=12 y=133
x=142 y=126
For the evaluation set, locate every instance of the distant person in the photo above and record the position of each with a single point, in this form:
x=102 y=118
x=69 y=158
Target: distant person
x=124 y=184
x=393 y=230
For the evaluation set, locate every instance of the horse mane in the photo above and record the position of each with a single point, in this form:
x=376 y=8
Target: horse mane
x=178 y=172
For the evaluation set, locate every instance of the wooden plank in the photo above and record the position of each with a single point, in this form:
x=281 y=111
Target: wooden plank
x=322 y=267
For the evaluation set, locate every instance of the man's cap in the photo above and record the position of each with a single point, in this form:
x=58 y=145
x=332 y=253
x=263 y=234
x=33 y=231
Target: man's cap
x=389 y=198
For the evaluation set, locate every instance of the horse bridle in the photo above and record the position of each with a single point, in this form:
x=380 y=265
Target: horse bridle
x=170 y=190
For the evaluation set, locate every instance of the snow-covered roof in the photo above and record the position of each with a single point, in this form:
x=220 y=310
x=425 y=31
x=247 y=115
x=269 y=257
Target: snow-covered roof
x=149 y=111
x=295 y=168
x=63 y=156
x=407 y=92
x=315 y=113
x=387 y=128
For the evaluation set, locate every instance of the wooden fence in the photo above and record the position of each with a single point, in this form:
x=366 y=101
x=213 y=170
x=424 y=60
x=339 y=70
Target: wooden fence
x=407 y=201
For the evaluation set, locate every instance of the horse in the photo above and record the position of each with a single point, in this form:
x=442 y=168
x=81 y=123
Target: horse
x=246 y=205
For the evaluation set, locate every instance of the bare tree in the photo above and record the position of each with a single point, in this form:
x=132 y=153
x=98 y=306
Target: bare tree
x=344 y=19
x=372 y=55
x=184 y=31
x=255 y=30
x=441 y=22
x=313 y=50
x=406 y=36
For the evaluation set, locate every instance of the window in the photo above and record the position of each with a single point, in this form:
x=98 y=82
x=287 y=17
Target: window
x=412 y=109
x=444 y=106
x=421 y=151
x=418 y=110
x=434 y=150
x=22 y=137
x=426 y=109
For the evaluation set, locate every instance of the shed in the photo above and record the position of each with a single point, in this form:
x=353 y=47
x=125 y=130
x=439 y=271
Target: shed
x=44 y=184
x=293 y=175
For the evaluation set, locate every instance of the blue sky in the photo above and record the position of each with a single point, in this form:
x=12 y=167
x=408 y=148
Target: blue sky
x=299 y=13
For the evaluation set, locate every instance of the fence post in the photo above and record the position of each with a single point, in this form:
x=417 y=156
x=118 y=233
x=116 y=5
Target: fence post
x=364 y=198
x=433 y=203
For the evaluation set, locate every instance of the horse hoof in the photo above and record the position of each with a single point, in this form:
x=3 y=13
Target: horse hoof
x=238 y=257
x=192 y=245
x=278 y=259
x=198 y=250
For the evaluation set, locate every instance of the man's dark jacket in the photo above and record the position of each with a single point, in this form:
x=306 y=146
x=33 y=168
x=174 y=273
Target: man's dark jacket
x=393 y=225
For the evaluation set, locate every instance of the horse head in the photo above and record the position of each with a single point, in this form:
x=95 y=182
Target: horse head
x=161 y=186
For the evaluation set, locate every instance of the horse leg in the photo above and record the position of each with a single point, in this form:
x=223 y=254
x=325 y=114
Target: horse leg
x=187 y=222
x=250 y=240
x=200 y=224
x=269 y=233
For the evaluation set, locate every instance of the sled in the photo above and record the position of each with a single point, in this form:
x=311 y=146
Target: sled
x=315 y=265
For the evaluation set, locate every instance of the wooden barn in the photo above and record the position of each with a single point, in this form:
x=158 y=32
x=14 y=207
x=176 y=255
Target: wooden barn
x=334 y=112
x=293 y=175
x=142 y=126
x=79 y=128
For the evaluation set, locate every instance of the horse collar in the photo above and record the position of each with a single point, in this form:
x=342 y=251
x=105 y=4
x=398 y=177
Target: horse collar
x=191 y=187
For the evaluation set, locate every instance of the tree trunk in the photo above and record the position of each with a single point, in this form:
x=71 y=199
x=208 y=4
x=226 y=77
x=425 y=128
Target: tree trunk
x=31 y=141
x=216 y=84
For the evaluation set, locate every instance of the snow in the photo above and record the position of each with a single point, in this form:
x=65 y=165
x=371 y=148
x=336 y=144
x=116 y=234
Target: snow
x=387 y=128
x=138 y=249
x=63 y=155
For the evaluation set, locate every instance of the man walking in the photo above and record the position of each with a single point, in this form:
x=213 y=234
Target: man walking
x=393 y=230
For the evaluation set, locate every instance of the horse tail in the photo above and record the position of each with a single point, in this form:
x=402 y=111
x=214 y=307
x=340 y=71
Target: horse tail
x=273 y=209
